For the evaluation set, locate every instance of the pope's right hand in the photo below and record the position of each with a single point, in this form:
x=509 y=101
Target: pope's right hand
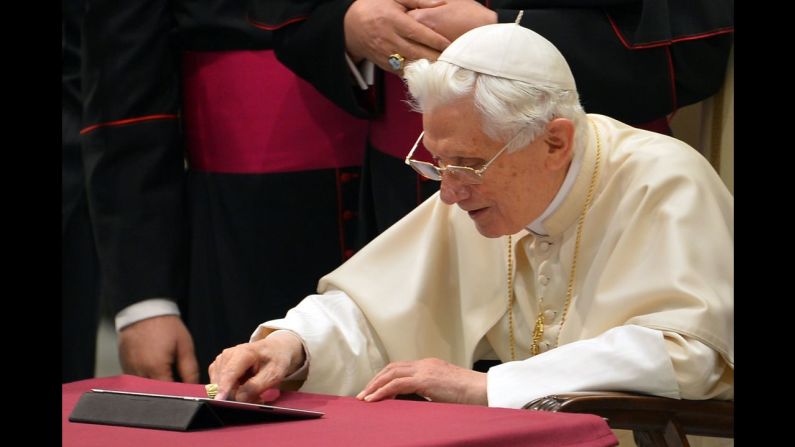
x=244 y=372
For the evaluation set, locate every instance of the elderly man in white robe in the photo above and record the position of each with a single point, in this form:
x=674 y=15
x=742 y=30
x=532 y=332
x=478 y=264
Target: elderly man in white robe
x=582 y=253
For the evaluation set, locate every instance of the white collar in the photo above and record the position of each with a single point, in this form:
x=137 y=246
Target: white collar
x=537 y=226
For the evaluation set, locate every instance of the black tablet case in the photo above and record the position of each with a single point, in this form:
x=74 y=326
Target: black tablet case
x=162 y=413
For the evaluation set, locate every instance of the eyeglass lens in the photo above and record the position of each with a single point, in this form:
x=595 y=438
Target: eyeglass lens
x=464 y=174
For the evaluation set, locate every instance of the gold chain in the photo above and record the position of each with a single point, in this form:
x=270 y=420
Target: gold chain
x=510 y=300
x=538 y=329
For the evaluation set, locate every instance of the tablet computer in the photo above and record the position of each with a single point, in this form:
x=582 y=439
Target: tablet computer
x=271 y=409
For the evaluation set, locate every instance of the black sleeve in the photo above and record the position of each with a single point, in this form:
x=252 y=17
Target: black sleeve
x=638 y=61
x=132 y=149
x=311 y=42
x=634 y=60
x=72 y=178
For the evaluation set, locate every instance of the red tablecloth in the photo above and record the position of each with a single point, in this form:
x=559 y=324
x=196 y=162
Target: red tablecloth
x=348 y=422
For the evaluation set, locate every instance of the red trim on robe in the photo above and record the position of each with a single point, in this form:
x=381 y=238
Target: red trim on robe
x=661 y=43
x=268 y=27
x=672 y=74
x=660 y=125
x=340 y=222
x=124 y=122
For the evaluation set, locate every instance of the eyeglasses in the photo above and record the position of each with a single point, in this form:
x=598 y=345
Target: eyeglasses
x=465 y=174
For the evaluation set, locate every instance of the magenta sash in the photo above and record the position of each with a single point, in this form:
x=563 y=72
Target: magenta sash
x=244 y=112
x=398 y=127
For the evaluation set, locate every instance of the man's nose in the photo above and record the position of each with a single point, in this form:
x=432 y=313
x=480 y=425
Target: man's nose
x=452 y=189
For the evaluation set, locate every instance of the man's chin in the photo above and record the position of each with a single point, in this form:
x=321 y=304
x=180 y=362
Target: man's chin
x=485 y=223
x=488 y=231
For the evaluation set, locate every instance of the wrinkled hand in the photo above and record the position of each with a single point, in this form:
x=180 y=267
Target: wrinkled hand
x=151 y=347
x=245 y=372
x=452 y=18
x=374 y=29
x=433 y=378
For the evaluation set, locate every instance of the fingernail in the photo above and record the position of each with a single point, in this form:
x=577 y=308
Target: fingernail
x=270 y=395
x=360 y=395
x=368 y=398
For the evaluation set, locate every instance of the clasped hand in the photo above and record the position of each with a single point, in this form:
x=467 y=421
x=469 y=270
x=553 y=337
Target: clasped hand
x=416 y=29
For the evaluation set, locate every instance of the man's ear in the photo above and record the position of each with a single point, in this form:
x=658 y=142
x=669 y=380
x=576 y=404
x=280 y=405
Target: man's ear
x=559 y=140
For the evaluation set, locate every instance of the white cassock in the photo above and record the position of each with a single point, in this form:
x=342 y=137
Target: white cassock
x=652 y=304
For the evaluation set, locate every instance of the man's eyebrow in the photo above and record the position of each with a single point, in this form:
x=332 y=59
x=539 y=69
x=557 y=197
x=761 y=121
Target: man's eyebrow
x=470 y=162
x=458 y=160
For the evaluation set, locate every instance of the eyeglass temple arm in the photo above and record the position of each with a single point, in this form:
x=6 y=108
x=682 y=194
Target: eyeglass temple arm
x=482 y=169
x=414 y=148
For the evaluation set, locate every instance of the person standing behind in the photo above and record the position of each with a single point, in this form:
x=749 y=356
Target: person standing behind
x=133 y=176
x=635 y=60
x=273 y=177
x=79 y=270
x=272 y=173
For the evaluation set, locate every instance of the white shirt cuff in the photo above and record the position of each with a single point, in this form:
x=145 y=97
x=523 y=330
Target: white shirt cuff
x=153 y=307
x=364 y=73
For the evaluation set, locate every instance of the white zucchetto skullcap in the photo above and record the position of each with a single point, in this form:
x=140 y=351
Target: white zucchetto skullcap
x=510 y=51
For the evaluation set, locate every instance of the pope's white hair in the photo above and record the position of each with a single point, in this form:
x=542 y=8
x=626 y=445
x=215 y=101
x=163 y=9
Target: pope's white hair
x=507 y=107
